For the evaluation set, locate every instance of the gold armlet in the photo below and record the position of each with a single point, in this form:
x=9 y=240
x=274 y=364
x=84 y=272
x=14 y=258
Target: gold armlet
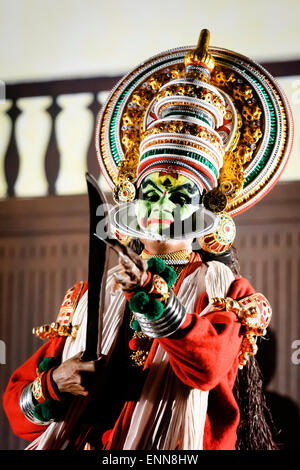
x=63 y=324
x=254 y=313
x=55 y=329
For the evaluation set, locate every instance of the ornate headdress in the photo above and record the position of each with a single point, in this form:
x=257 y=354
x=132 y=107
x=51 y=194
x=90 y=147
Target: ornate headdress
x=210 y=114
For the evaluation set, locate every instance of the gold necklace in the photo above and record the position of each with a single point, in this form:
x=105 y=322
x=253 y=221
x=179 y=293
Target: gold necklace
x=176 y=259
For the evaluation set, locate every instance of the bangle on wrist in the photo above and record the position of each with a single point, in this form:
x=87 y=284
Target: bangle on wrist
x=156 y=308
x=28 y=405
x=173 y=316
x=40 y=400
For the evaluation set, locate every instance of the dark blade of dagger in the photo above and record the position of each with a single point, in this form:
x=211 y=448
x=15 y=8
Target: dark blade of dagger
x=97 y=270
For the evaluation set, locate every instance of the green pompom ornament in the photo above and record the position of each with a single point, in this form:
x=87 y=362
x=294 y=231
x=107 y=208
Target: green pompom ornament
x=47 y=363
x=135 y=325
x=48 y=410
x=169 y=276
x=139 y=302
x=156 y=265
x=155 y=311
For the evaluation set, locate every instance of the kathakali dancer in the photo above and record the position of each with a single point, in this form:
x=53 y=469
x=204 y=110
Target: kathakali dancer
x=186 y=141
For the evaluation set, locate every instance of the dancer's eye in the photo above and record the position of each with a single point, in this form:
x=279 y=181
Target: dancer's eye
x=151 y=196
x=180 y=198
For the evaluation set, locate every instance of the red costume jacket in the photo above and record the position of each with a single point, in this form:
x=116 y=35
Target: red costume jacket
x=203 y=354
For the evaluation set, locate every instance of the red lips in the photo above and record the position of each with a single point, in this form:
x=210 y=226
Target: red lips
x=159 y=221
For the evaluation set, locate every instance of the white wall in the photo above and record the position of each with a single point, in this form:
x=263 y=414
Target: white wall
x=291 y=86
x=59 y=38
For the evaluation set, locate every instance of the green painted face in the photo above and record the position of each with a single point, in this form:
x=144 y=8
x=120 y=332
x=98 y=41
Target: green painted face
x=165 y=199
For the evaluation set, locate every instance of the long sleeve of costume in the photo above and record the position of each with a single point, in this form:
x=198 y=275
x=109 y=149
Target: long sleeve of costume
x=204 y=355
x=27 y=372
x=24 y=375
x=206 y=347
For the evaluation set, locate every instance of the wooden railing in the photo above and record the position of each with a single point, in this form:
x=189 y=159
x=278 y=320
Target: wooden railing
x=47 y=133
x=39 y=122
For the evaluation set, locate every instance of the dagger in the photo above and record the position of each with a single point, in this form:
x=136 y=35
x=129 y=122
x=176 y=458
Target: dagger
x=99 y=245
x=97 y=271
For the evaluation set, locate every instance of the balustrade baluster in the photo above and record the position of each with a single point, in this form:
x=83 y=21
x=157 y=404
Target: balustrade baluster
x=52 y=156
x=11 y=161
x=5 y=135
x=33 y=128
x=74 y=129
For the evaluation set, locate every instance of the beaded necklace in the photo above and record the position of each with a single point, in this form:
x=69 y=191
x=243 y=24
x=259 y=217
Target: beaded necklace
x=140 y=343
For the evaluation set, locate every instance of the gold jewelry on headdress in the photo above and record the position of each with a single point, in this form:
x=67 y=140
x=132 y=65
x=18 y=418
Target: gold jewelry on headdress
x=200 y=57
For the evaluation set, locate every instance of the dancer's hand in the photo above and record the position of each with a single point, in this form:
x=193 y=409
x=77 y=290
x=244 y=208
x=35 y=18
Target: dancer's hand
x=133 y=273
x=78 y=377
